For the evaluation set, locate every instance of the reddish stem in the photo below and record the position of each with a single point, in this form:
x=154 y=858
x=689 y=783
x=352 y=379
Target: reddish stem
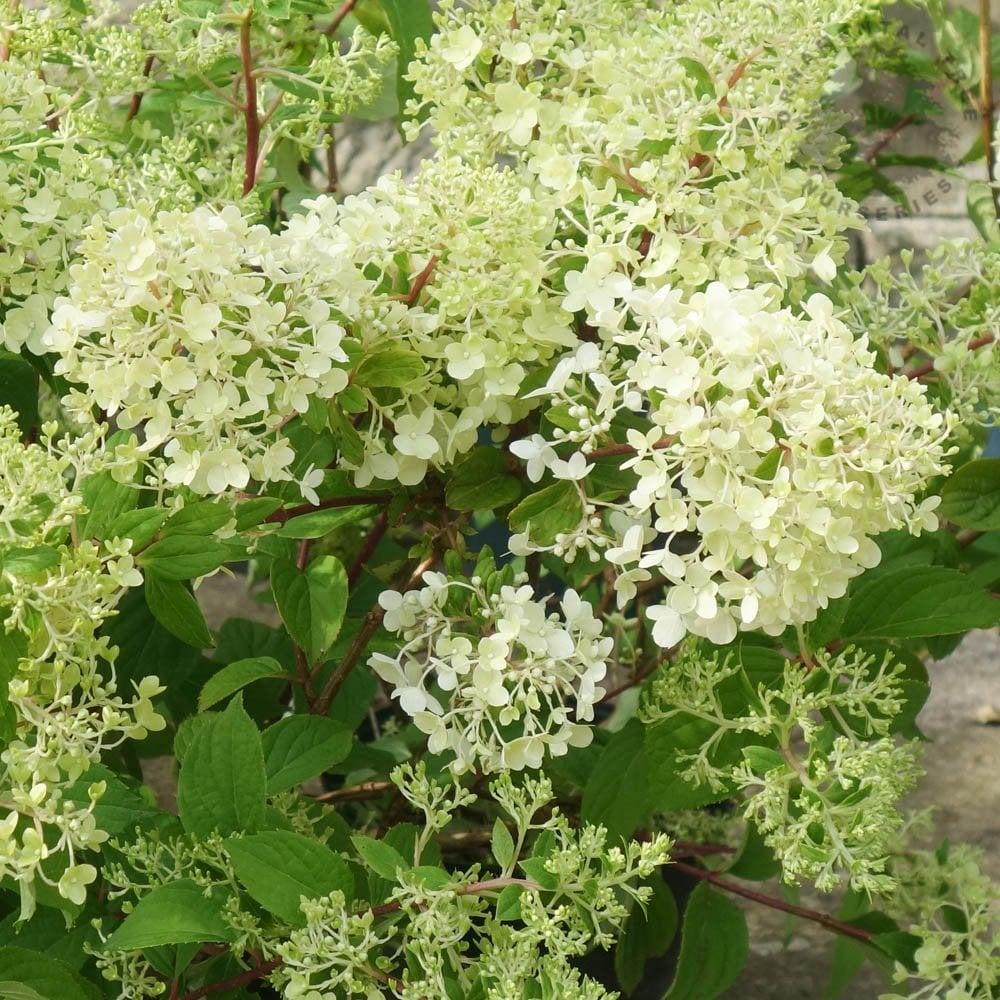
x=823 y=919
x=420 y=281
x=928 y=367
x=136 y=102
x=364 y=634
x=345 y=8
x=887 y=138
x=243 y=979
x=250 y=113
x=371 y=544
x=611 y=450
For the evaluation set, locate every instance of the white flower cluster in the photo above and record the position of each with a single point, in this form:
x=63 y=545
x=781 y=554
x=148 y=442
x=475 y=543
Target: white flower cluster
x=189 y=324
x=669 y=135
x=50 y=186
x=454 y=319
x=492 y=677
x=64 y=709
x=765 y=450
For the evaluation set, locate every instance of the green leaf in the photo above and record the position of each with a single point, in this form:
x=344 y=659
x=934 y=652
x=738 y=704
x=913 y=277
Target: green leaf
x=222 y=784
x=502 y=844
x=914 y=602
x=174 y=606
x=236 y=675
x=756 y=861
x=648 y=932
x=899 y=945
x=389 y=369
x=379 y=856
x=971 y=496
x=548 y=512
x=300 y=747
x=106 y=500
x=764 y=759
x=119 y=808
x=408 y=21
x=482 y=482
x=18 y=991
x=277 y=10
x=665 y=743
x=714 y=946
x=508 y=905
x=182 y=557
x=28 y=562
x=200 y=518
x=982 y=210
x=252 y=512
x=318 y=523
x=616 y=794
x=139 y=525
x=704 y=85
x=19 y=389
x=278 y=867
x=176 y=913
x=44 y=975
x=311 y=603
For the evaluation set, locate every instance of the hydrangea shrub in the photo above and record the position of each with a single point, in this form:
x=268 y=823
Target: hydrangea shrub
x=608 y=515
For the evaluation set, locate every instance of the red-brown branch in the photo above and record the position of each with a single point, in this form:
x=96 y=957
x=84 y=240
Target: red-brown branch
x=928 y=367
x=887 y=138
x=136 y=102
x=367 y=550
x=823 y=919
x=338 y=19
x=243 y=979
x=609 y=451
x=250 y=113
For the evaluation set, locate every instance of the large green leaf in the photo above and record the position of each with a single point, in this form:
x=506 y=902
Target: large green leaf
x=24 y=972
x=105 y=498
x=648 y=932
x=408 y=21
x=971 y=497
x=311 y=603
x=548 y=512
x=119 y=808
x=174 y=606
x=278 y=867
x=300 y=747
x=182 y=557
x=175 y=913
x=222 y=785
x=915 y=602
x=482 y=482
x=616 y=793
x=19 y=389
x=234 y=676
x=318 y=523
x=714 y=946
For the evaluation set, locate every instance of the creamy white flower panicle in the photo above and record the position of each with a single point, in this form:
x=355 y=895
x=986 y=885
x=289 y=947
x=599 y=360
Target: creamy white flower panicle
x=187 y=324
x=459 y=314
x=496 y=681
x=766 y=451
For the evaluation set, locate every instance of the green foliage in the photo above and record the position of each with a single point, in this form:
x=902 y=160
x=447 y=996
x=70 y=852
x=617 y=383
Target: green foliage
x=585 y=490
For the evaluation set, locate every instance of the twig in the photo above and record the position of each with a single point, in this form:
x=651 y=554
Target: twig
x=366 y=790
x=926 y=369
x=823 y=919
x=367 y=550
x=243 y=979
x=345 y=8
x=887 y=138
x=250 y=112
x=420 y=281
x=136 y=102
x=611 y=450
